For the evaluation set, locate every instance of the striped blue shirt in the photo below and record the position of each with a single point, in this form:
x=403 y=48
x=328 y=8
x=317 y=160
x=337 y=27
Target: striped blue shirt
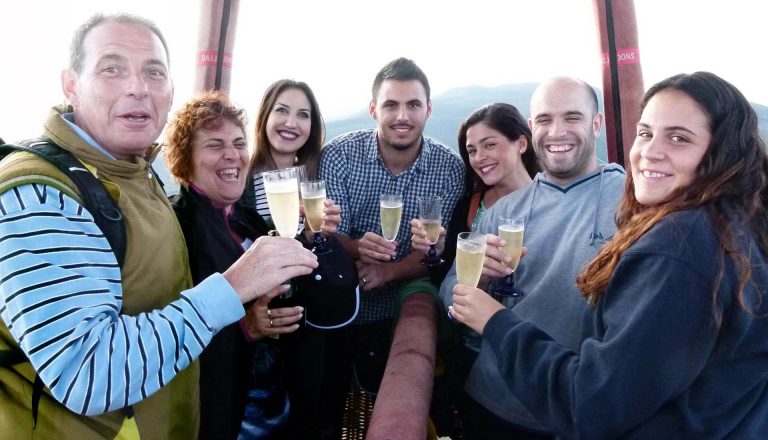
x=61 y=299
x=356 y=176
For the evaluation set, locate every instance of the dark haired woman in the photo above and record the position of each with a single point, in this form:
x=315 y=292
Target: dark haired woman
x=495 y=144
x=289 y=133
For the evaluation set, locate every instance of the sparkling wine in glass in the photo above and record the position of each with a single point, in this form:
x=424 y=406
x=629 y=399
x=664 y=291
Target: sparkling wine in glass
x=313 y=195
x=511 y=229
x=430 y=215
x=282 y=191
x=470 y=253
x=390 y=211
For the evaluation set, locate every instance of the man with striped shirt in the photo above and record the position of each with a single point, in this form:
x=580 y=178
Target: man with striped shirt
x=114 y=346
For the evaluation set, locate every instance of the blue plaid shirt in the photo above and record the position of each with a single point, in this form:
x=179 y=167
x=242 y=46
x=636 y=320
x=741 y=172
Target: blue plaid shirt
x=356 y=176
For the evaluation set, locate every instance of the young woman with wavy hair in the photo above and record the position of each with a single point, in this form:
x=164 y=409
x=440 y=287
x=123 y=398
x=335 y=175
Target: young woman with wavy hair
x=675 y=345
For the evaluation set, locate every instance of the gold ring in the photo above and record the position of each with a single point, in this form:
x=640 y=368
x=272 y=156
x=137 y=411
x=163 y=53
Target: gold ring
x=271 y=324
x=269 y=313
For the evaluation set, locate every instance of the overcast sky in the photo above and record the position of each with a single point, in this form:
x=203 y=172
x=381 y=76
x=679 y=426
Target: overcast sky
x=337 y=46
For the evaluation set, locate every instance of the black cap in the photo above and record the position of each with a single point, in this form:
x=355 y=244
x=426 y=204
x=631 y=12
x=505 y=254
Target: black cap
x=330 y=294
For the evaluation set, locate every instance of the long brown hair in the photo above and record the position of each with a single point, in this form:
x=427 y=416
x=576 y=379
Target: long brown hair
x=309 y=153
x=731 y=184
x=507 y=120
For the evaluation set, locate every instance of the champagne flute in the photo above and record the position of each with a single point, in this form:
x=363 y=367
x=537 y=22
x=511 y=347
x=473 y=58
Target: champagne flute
x=470 y=253
x=313 y=195
x=390 y=211
x=282 y=191
x=430 y=214
x=511 y=229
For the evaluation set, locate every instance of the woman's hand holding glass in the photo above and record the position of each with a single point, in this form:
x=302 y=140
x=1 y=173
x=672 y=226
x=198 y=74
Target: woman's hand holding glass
x=473 y=307
x=320 y=213
x=330 y=220
x=430 y=215
x=419 y=240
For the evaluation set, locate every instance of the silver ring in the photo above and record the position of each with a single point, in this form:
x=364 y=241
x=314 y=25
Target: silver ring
x=363 y=280
x=271 y=324
x=269 y=313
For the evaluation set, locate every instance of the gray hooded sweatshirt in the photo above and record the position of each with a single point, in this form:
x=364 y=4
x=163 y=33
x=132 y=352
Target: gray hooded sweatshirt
x=565 y=227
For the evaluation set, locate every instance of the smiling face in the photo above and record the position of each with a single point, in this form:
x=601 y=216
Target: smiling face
x=123 y=94
x=289 y=122
x=564 y=127
x=672 y=137
x=219 y=162
x=401 y=110
x=492 y=155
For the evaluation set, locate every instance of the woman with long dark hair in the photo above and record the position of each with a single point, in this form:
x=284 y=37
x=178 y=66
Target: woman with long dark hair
x=676 y=346
x=496 y=147
x=289 y=133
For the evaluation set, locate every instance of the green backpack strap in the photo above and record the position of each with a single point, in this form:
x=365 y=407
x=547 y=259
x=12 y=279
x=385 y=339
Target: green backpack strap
x=11 y=357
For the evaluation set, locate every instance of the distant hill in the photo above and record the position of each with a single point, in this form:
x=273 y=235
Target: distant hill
x=448 y=110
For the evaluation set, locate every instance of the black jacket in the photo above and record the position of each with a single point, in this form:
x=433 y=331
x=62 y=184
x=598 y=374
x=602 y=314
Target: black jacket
x=225 y=363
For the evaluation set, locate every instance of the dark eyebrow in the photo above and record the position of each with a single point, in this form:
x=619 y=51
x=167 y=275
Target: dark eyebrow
x=486 y=138
x=680 y=128
x=670 y=128
x=288 y=106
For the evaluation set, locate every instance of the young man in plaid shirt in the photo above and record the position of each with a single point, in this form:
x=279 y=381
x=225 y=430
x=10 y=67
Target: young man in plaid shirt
x=393 y=158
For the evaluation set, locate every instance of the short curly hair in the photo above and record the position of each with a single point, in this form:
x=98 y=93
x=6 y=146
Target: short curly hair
x=203 y=112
